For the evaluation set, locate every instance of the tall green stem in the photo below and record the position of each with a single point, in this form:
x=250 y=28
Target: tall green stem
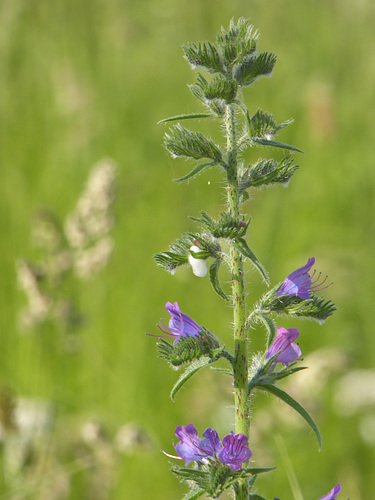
x=240 y=367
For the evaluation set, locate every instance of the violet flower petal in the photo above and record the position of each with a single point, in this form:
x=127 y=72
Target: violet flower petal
x=332 y=494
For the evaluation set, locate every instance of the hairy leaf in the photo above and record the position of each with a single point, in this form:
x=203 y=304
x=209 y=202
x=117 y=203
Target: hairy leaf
x=254 y=67
x=204 y=54
x=196 y=171
x=276 y=391
x=187 y=143
x=214 y=277
x=190 y=116
x=245 y=250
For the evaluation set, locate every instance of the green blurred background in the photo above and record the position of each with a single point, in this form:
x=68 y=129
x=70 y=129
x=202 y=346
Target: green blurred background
x=83 y=80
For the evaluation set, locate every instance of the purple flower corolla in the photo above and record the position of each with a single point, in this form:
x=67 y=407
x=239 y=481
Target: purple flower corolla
x=284 y=344
x=191 y=448
x=180 y=324
x=211 y=444
x=333 y=493
x=188 y=447
x=301 y=284
x=234 y=451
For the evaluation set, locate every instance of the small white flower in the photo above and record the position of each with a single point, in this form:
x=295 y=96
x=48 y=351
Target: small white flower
x=199 y=266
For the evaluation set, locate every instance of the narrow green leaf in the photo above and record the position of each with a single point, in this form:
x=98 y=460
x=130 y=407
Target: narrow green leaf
x=197 y=170
x=245 y=250
x=255 y=496
x=258 y=470
x=190 y=116
x=276 y=391
x=192 y=495
x=188 y=373
x=275 y=144
x=214 y=277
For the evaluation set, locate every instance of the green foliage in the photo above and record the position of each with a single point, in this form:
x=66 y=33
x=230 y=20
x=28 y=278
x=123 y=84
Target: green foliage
x=263 y=125
x=218 y=88
x=204 y=54
x=214 y=278
x=267 y=172
x=237 y=42
x=243 y=247
x=187 y=349
x=186 y=143
x=254 y=67
x=214 y=478
x=176 y=256
x=226 y=226
x=276 y=391
x=314 y=308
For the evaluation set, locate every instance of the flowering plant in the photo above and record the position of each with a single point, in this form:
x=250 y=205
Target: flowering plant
x=233 y=64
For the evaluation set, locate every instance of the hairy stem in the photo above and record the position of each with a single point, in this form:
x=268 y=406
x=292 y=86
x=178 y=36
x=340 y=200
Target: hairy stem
x=240 y=367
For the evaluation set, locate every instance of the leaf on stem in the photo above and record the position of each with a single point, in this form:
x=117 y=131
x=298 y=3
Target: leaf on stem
x=204 y=54
x=268 y=171
x=214 y=277
x=191 y=116
x=189 y=144
x=284 y=396
x=242 y=246
x=254 y=67
x=196 y=171
x=188 y=373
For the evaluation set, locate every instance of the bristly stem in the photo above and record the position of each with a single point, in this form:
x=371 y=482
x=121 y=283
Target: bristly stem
x=240 y=366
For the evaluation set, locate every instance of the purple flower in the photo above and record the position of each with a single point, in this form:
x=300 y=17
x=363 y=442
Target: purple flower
x=191 y=448
x=211 y=444
x=180 y=325
x=300 y=282
x=188 y=447
x=332 y=494
x=234 y=451
x=284 y=344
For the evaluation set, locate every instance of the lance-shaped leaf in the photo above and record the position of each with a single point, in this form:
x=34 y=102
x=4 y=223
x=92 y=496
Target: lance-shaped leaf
x=204 y=54
x=196 y=171
x=194 y=493
x=188 y=373
x=284 y=396
x=190 y=116
x=254 y=67
x=242 y=246
x=268 y=171
x=189 y=144
x=218 y=88
x=275 y=144
x=255 y=496
x=214 y=278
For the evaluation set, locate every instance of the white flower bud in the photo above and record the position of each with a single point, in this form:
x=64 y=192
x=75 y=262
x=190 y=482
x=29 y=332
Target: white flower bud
x=199 y=266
